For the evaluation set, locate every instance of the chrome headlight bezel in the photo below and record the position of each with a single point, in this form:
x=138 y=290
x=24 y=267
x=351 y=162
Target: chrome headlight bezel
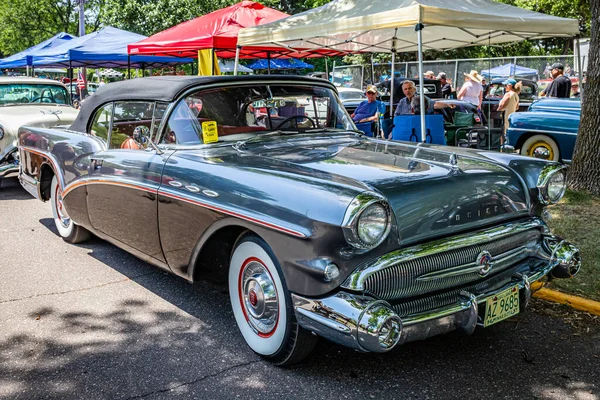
x=355 y=210
x=2 y=132
x=546 y=179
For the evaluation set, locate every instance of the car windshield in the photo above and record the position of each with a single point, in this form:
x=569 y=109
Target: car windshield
x=497 y=90
x=239 y=112
x=352 y=95
x=18 y=93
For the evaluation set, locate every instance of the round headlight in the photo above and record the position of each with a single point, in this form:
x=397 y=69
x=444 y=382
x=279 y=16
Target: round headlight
x=372 y=224
x=552 y=184
x=556 y=187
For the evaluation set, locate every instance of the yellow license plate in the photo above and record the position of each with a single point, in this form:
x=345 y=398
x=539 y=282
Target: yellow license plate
x=501 y=306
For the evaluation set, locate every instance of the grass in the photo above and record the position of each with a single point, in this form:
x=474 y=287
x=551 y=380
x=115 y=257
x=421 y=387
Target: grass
x=577 y=219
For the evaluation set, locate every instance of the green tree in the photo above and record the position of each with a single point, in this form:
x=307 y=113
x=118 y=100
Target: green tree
x=585 y=171
x=27 y=23
x=148 y=17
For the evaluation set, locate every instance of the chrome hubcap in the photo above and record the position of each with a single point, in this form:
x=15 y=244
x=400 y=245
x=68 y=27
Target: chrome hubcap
x=542 y=152
x=63 y=216
x=259 y=297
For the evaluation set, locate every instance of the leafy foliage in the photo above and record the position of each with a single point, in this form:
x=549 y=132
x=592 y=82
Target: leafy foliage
x=26 y=23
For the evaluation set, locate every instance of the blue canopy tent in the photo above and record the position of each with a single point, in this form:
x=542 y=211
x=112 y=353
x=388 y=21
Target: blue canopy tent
x=25 y=58
x=507 y=70
x=280 y=63
x=106 y=48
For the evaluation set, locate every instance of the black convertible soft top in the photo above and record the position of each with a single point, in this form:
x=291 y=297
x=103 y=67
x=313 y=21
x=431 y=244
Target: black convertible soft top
x=166 y=89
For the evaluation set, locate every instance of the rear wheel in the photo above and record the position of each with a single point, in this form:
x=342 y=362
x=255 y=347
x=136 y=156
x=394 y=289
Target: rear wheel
x=67 y=229
x=262 y=305
x=541 y=146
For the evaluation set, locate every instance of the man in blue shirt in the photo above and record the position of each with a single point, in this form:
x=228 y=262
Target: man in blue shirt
x=367 y=109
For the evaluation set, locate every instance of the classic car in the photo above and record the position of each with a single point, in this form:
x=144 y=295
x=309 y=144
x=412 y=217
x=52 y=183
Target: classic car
x=494 y=94
x=316 y=229
x=351 y=94
x=31 y=101
x=548 y=130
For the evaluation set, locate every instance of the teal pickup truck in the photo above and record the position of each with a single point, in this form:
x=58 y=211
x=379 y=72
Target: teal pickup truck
x=548 y=130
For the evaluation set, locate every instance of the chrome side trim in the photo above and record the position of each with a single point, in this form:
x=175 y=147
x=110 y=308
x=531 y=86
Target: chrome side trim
x=186 y=197
x=540 y=131
x=356 y=280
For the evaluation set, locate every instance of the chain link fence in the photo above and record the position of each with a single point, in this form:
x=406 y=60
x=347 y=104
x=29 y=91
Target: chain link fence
x=536 y=68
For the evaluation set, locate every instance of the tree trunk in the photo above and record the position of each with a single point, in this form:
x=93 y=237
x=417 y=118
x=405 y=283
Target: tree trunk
x=584 y=173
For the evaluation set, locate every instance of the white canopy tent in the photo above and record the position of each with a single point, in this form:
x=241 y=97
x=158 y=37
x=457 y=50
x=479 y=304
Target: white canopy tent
x=355 y=26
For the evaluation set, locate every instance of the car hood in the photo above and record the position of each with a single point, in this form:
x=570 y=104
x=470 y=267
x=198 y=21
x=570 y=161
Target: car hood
x=43 y=116
x=431 y=190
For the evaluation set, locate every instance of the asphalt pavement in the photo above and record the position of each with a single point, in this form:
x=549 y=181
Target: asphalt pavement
x=90 y=321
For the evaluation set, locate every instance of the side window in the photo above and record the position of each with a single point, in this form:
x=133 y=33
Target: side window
x=159 y=113
x=183 y=126
x=101 y=124
x=131 y=125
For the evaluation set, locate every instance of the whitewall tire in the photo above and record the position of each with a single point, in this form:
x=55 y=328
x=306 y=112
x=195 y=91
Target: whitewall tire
x=67 y=229
x=541 y=146
x=262 y=305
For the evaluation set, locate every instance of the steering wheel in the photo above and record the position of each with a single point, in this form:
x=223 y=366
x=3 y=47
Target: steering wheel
x=296 y=118
x=45 y=97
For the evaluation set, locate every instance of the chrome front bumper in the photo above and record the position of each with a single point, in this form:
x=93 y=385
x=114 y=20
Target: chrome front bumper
x=368 y=324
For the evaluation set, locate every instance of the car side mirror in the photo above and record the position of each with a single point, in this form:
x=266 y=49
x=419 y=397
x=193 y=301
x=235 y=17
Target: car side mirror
x=142 y=136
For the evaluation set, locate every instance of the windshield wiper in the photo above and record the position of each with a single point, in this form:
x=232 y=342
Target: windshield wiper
x=239 y=145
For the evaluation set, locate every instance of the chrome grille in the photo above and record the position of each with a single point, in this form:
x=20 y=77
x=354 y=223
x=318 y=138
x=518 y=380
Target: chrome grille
x=400 y=281
x=451 y=297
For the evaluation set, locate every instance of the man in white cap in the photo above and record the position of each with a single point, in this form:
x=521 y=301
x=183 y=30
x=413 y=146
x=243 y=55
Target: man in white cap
x=367 y=109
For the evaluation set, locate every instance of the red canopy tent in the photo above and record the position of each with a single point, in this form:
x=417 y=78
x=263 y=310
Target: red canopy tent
x=219 y=31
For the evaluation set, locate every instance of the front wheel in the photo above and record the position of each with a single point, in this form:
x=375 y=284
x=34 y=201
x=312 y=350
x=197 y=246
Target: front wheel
x=541 y=146
x=67 y=229
x=262 y=305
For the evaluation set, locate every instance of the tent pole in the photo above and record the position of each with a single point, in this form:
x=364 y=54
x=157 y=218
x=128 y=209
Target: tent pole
x=372 y=70
x=419 y=28
x=579 y=66
x=326 y=68
x=237 y=59
x=392 y=84
x=268 y=63
x=128 y=66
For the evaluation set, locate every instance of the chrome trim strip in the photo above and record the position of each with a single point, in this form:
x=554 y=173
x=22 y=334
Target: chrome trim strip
x=545 y=108
x=182 y=196
x=356 y=280
x=104 y=181
x=540 y=131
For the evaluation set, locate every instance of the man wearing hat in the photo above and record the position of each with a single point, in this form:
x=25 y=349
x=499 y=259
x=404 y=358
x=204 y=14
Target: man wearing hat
x=560 y=86
x=446 y=86
x=575 y=90
x=367 y=109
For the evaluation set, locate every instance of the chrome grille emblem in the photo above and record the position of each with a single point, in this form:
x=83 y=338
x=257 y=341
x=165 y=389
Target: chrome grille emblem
x=485 y=260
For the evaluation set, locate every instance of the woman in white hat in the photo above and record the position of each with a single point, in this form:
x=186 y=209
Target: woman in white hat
x=471 y=90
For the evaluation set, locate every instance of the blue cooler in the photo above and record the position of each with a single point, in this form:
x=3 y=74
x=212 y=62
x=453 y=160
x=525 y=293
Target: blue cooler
x=408 y=128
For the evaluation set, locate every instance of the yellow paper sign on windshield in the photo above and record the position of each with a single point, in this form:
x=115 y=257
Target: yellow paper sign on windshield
x=209 y=132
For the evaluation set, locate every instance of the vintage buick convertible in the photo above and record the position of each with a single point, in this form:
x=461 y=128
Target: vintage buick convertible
x=263 y=182
x=33 y=102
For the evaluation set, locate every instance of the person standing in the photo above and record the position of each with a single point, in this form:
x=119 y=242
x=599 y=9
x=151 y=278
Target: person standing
x=575 y=90
x=560 y=86
x=510 y=102
x=446 y=86
x=471 y=90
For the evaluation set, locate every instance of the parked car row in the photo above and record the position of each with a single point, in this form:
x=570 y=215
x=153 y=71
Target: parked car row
x=316 y=229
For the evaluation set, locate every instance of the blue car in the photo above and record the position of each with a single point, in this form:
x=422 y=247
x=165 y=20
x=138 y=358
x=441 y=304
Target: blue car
x=548 y=130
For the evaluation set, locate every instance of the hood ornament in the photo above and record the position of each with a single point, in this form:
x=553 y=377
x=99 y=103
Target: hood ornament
x=53 y=112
